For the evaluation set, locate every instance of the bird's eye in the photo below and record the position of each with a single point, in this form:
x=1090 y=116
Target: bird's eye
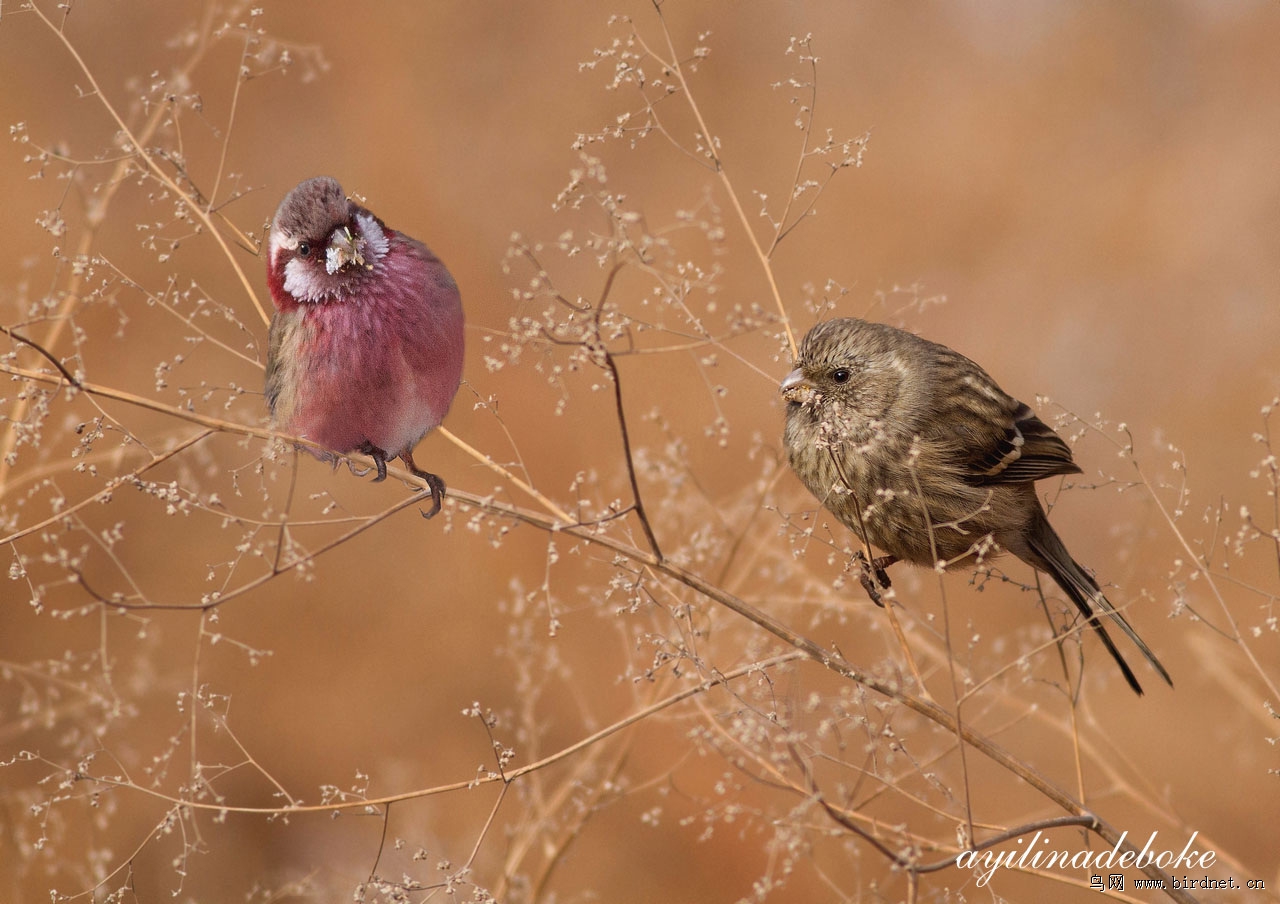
x=841 y=374
x=304 y=250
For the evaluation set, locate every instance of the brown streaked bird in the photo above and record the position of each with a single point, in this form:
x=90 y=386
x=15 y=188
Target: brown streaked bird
x=921 y=454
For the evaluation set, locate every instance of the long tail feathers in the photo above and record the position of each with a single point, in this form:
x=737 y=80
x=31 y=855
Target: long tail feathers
x=1089 y=599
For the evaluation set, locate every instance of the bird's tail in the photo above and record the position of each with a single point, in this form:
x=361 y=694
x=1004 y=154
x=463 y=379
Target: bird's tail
x=1087 y=595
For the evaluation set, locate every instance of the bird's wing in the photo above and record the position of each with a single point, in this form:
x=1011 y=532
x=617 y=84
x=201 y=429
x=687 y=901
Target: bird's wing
x=1019 y=448
x=983 y=435
x=275 y=336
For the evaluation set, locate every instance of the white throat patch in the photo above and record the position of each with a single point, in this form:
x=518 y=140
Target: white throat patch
x=363 y=249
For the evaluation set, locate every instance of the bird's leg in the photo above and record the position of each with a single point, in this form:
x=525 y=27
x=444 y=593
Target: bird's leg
x=870 y=586
x=433 y=482
x=867 y=579
x=379 y=458
x=878 y=565
x=872 y=576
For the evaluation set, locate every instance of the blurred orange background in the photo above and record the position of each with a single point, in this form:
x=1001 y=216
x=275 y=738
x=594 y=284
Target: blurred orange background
x=1093 y=188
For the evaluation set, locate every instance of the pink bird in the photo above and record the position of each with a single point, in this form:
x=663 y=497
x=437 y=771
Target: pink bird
x=366 y=344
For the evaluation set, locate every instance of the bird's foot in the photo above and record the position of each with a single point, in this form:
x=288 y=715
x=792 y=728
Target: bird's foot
x=379 y=459
x=870 y=586
x=879 y=564
x=872 y=575
x=434 y=483
x=358 y=472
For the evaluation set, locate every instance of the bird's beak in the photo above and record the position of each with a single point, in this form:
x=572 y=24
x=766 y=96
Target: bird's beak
x=795 y=388
x=345 y=249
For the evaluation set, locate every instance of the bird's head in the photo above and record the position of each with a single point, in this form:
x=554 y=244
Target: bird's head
x=322 y=246
x=848 y=366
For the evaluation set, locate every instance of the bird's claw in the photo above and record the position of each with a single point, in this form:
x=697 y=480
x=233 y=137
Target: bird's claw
x=379 y=460
x=878 y=565
x=434 y=483
x=872 y=591
x=872 y=575
x=436 y=486
x=358 y=472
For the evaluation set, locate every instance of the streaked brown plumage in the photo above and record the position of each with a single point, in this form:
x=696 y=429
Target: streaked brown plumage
x=918 y=451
